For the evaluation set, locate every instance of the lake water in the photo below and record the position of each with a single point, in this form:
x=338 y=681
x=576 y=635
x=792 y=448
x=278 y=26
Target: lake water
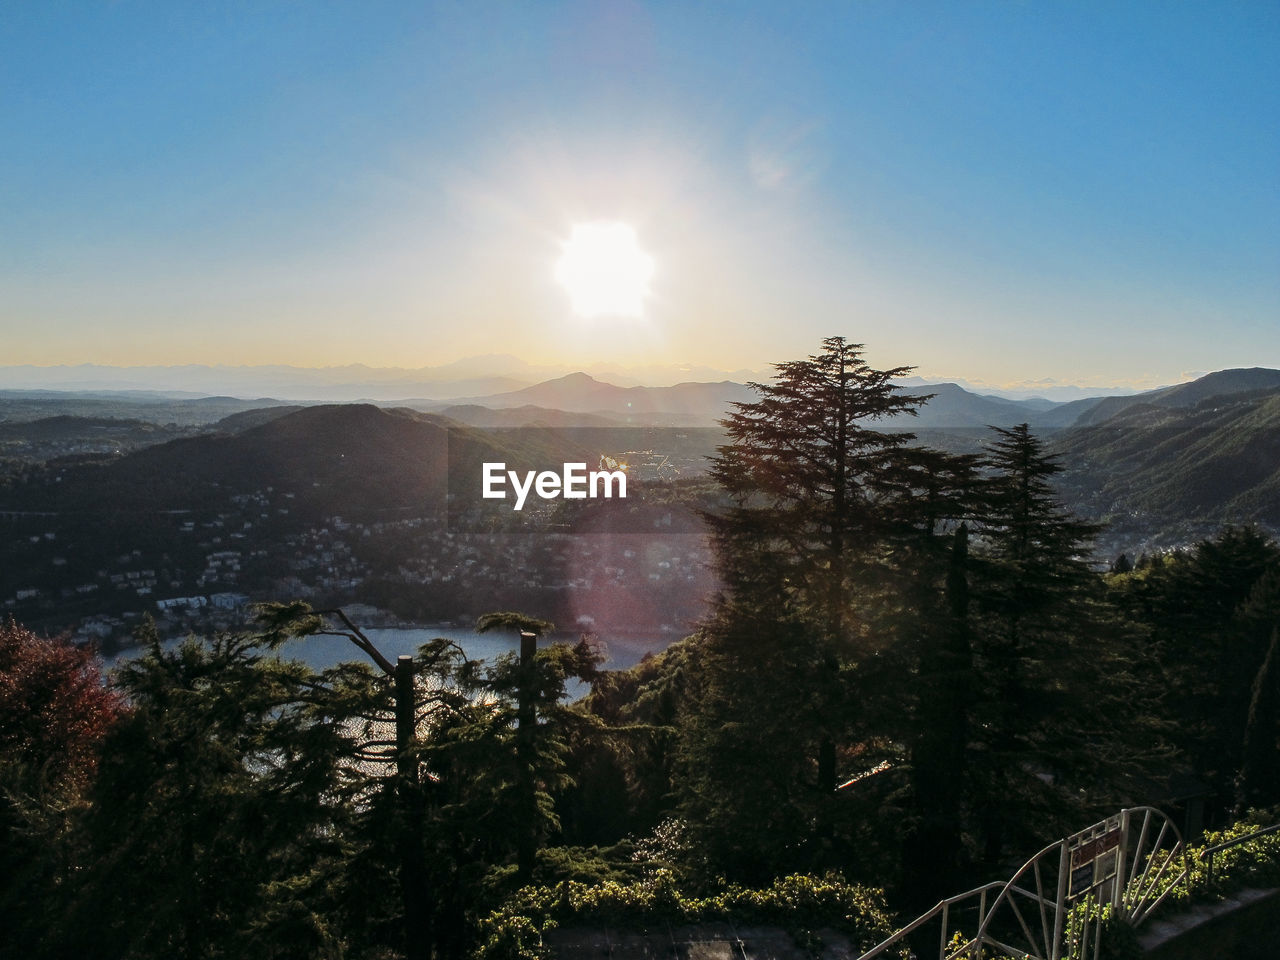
x=320 y=653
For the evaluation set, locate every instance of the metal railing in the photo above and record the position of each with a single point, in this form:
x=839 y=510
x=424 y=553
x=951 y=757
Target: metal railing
x=1124 y=866
x=943 y=910
x=1208 y=853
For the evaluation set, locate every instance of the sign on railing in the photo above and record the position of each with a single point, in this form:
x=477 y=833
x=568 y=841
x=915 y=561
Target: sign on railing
x=1053 y=908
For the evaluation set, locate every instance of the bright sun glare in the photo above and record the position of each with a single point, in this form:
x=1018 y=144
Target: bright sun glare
x=604 y=270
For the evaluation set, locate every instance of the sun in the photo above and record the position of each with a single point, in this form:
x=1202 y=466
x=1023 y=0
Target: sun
x=604 y=270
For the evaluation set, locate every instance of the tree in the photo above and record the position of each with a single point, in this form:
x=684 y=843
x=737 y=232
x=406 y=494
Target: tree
x=527 y=713
x=224 y=808
x=1259 y=780
x=833 y=545
x=754 y=790
x=1209 y=613
x=411 y=707
x=809 y=483
x=1056 y=695
x=642 y=710
x=55 y=714
x=940 y=742
x=54 y=709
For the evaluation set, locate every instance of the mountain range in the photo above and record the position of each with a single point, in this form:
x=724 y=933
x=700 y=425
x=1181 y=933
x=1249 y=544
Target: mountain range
x=336 y=458
x=1176 y=466
x=1156 y=466
x=470 y=376
x=950 y=407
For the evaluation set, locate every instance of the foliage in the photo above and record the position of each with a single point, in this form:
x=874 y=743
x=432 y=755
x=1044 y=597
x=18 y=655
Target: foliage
x=810 y=483
x=1118 y=940
x=1254 y=863
x=1209 y=614
x=748 y=763
x=1044 y=642
x=228 y=786
x=1259 y=778
x=55 y=714
x=487 y=760
x=829 y=549
x=890 y=607
x=54 y=709
x=507 y=620
x=640 y=712
x=794 y=902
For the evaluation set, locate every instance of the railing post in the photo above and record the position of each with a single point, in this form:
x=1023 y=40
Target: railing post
x=1122 y=857
x=1060 y=901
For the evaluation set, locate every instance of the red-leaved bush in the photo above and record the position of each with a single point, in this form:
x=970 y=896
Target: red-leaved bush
x=54 y=708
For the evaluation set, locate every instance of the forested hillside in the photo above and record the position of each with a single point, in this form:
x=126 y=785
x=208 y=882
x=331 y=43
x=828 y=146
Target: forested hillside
x=1160 y=468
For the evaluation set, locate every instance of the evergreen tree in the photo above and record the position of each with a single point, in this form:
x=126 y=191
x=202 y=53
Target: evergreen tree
x=642 y=709
x=833 y=547
x=1259 y=782
x=222 y=812
x=809 y=481
x=1058 y=717
x=754 y=792
x=940 y=752
x=528 y=726
x=1209 y=612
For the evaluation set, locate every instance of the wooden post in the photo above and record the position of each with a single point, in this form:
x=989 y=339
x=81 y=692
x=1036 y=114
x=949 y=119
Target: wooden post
x=410 y=839
x=413 y=872
x=526 y=721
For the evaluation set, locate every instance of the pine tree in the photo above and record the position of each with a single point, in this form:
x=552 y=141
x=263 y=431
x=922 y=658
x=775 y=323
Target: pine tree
x=833 y=548
x=1209 y=612
x=940 y=751
x=754 y=791
x=222 y=810
x=1259 y=781
x=810 y=482
x=527 y=713
x=1052 y=662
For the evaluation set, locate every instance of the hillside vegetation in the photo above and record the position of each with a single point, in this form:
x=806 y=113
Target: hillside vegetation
x=1152 y=466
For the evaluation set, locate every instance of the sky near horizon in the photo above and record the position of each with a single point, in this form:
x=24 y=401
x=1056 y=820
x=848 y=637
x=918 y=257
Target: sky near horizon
x=1080 y=192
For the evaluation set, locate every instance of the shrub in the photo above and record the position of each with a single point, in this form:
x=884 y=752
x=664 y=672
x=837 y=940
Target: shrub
x=796 y=903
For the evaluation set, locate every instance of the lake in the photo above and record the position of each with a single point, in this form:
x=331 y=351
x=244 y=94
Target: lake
x=319 y=653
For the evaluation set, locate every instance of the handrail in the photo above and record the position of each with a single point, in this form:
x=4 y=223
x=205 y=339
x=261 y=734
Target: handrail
x=1073 y=862
x=1210 y=851
x=942 y=907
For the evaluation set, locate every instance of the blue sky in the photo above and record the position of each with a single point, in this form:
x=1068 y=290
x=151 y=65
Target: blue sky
x=1000 y=191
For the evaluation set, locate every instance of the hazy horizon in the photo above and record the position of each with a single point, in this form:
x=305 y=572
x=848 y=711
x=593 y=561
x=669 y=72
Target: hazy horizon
x=249 y=381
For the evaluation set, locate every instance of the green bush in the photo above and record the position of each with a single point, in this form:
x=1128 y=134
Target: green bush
x=511 y=938
x=796 y=903
x=1255 y=863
